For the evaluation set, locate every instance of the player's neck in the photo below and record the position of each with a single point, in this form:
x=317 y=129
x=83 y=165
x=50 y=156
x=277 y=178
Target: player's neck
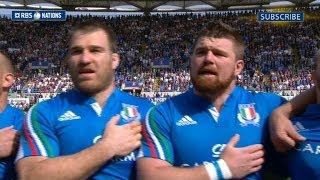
x=3 y=102
x=217 y=98
x=221 y=99
x=103 y=96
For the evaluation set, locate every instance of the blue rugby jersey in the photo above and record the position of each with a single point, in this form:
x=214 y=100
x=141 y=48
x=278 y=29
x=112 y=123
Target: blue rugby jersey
x=9 y=116
x=72 y=121
x=304 y=160
x=184 y=132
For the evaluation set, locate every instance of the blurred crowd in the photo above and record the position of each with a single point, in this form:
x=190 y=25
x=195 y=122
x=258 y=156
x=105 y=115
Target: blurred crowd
x=155 y=49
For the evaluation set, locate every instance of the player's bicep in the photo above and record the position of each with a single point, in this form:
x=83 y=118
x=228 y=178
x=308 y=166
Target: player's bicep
x=147 y=167
x=38 y=138
x=156 y=141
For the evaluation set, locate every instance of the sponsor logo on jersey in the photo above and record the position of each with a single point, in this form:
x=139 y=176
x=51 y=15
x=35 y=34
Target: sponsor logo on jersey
x=69 y=115
x=248 y=115
x=185 y=121
x=195 y=164
x=129 y=157
x=130 y=112
x=217 y=149
x=312 y=148
x=299 y=126
x=97 y=138
x=216 y=152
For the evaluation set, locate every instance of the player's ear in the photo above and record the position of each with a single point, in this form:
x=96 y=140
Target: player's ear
x=115 y=60
x=7 y=80
x=239 y=67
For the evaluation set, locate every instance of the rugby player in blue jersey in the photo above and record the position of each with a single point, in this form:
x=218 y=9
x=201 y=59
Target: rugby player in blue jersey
x=215 y=130
x=11 y=119
x=304 y=158
x=92 y=131
x=284 y=137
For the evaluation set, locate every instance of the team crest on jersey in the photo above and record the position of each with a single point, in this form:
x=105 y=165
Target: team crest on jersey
x=248 y=115
x=130 y=112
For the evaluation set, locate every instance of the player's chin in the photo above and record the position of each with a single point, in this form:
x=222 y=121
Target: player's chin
x=206 y=79
x=87 y=86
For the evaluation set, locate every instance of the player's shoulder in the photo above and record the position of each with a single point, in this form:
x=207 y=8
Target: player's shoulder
x=131 y=99
x=259 y=94
x=11 y=108
x=264 y=99
x=180 y=100
x=14 y=110
x=267 y=96
x=56 y=102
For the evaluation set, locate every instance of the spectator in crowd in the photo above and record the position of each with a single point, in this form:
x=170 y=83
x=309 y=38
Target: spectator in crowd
x=216 y=129
x=10 y=121
x=91 y=131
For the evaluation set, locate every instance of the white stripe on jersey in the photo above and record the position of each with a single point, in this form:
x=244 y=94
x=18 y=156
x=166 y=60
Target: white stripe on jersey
x=153 y=137
x=20 y=153
x=36 y=138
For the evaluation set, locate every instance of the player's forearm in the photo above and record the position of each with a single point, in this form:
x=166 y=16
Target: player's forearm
x=173 y=173
x=77 y=166
x=298 y=103
x=157 y=169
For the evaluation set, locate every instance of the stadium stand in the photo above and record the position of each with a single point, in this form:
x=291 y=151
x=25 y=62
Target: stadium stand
x=155 y=49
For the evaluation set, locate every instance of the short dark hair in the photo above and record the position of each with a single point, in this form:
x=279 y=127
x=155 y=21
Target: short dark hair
x=91 y=26
x=218 y=29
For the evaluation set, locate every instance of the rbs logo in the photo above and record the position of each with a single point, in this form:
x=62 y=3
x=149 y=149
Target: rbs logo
x=27 y=15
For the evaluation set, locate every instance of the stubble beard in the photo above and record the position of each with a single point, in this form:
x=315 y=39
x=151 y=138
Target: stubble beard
x=92 y=87
x=211 y=85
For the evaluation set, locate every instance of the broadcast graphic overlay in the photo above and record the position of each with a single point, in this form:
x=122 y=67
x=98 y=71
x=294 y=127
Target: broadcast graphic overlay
x=38 y=15
x=280 y=16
